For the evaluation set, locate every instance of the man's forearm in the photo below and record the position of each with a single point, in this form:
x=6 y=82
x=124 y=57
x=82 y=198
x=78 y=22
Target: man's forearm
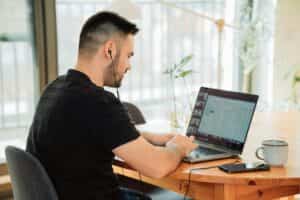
x=169 y=158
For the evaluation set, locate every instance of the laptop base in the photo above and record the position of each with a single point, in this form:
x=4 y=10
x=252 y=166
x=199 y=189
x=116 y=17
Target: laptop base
x=208 y=158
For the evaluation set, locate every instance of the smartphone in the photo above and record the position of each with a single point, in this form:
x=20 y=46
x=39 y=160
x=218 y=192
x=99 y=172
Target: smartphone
x=243 y=167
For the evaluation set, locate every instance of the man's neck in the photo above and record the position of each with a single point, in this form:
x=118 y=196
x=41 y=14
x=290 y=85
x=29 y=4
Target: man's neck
x=93 y=72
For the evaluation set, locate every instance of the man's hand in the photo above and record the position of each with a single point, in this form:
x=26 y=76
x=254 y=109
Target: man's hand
x=182 y=144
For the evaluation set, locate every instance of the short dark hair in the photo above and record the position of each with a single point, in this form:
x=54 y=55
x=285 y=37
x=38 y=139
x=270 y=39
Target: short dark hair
x=102 y=26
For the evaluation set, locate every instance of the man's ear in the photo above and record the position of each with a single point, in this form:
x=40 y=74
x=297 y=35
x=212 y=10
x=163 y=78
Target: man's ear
x=109 y=49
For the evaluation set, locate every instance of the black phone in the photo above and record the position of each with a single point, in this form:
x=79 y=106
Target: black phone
x=244 y=167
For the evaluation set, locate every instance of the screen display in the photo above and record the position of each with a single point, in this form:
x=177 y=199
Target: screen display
x=221 y=120
x=226 y=118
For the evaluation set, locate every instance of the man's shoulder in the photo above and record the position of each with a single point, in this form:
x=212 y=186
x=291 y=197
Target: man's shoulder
x=58 y=83
x=70 y=89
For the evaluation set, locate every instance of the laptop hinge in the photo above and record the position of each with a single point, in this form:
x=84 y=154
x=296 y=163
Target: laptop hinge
x=219 y=148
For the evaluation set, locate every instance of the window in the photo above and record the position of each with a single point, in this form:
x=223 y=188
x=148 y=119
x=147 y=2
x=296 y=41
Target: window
x=17 y=64
x=167 y=34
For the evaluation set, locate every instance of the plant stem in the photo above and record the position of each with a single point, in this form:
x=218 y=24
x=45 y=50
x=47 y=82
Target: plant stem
x=174 y=94
x=189 y=97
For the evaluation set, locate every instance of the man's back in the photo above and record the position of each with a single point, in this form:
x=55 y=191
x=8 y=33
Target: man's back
x=75 y=128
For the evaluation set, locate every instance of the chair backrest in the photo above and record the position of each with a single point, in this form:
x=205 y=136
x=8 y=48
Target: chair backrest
x=29 y=178
x=134 y=113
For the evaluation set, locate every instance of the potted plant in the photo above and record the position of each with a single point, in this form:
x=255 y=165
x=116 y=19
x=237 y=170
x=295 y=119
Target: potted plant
x=178 y=71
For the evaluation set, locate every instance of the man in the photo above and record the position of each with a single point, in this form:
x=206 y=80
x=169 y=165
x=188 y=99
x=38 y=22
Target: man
x=79 y=127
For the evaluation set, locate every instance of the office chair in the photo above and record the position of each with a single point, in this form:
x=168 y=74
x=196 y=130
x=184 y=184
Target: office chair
x=134 y=113
x=29 y=178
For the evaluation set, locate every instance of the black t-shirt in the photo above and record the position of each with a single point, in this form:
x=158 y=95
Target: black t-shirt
x=75 y=128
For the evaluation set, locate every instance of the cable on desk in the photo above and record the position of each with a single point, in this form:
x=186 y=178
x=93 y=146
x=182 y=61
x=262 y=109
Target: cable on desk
x=141 y=185
x=202 y=168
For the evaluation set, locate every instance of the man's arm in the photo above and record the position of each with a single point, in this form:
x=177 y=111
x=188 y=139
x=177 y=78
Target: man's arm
x=155 y=161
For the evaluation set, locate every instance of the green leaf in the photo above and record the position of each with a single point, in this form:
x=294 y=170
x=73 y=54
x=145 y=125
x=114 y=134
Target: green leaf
x=177 y=70
x=185 y=73
x=185 y=61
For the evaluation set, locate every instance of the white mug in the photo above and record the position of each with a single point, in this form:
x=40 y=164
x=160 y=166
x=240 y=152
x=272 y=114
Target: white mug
x=275 y=152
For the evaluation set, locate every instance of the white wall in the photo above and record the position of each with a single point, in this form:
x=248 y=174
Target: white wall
x=287 y=46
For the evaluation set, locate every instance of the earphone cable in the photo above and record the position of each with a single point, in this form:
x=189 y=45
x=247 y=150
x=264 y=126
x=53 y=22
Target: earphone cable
x=201 y=168
x=140 y=182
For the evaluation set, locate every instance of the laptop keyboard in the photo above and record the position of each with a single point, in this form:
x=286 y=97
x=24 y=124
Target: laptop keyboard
x=202 y=151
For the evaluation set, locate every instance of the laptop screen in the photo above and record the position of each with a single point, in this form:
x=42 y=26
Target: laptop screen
x=222 y=118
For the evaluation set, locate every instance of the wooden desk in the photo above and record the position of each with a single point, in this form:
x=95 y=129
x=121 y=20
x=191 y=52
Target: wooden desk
x=213 y=184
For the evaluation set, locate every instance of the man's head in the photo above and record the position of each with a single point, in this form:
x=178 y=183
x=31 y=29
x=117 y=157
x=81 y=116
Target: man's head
x=107 y=38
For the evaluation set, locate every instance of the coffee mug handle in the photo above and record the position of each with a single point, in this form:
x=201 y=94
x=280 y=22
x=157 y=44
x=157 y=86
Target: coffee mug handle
x=257 y=153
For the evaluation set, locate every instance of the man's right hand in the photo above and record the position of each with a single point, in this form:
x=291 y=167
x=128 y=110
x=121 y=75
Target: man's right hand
x=183 y=144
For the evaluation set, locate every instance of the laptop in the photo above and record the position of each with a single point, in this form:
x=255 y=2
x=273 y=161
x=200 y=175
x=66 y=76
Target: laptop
x=220 y=122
